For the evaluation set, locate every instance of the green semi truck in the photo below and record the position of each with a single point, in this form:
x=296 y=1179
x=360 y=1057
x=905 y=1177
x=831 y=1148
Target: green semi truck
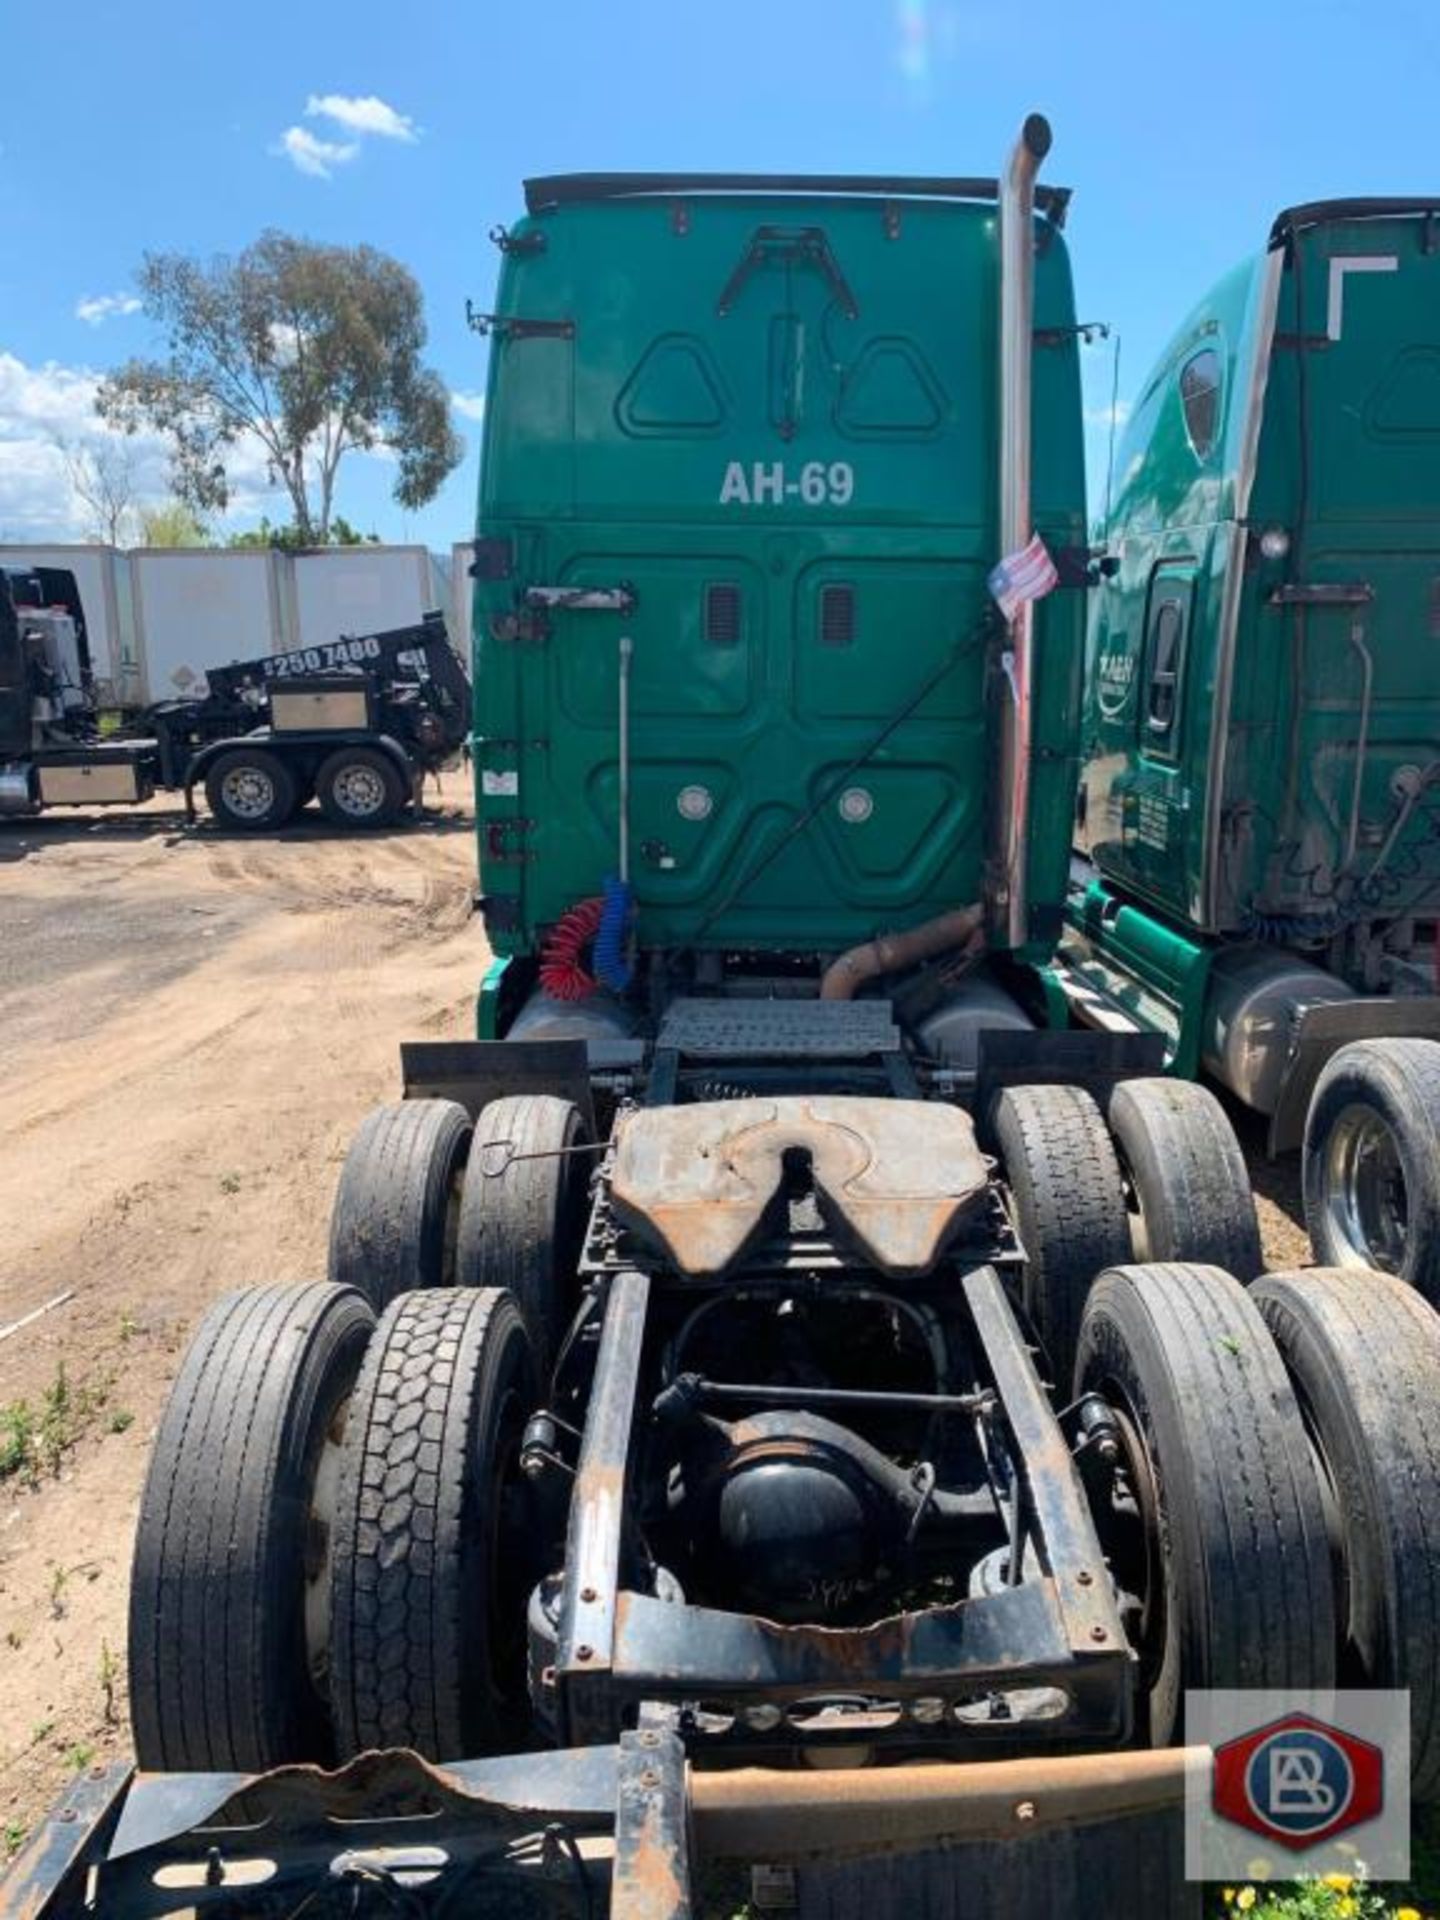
x=1258 y=817
x=736 y=1426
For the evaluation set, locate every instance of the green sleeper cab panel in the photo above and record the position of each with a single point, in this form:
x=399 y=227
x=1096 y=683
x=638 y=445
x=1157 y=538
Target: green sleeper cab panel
x=773 y=421
x=1262 y=726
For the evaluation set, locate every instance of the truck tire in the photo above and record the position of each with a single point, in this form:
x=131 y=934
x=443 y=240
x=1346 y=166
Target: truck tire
x=361 y=787
x=1232 y=1563
x=432 y=1562
x=522 y=1219
x=250 y=790
x=1069 y=1205
x=397 y=1206
x=1371 y=1161
x=1191 y=1196
x=1363 y=1350
x=227 y=1583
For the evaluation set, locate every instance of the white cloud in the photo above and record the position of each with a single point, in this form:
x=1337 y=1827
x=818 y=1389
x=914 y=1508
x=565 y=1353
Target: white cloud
x=319 y=158
x=1107 y=415
x=361 y=113
x=471 y=405
x=94 y=309
x=41 y=406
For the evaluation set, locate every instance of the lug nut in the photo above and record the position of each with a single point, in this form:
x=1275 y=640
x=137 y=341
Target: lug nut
x=589 y=1596
x=584 y=1653
x=1098 y=1633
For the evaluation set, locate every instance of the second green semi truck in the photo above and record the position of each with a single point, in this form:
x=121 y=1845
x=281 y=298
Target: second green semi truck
x=1258 y=818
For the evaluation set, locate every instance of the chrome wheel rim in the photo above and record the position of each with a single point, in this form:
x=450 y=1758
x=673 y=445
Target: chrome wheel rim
x=248 y=792
x=359 y=791
x=1365 y=1200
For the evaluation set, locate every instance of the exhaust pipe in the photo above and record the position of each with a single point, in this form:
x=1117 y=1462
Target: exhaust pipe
x=1011 y=907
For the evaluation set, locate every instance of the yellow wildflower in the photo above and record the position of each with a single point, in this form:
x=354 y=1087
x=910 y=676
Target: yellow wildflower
x=1245 y=1899
x=1339 y=1882
x=1406 y=1913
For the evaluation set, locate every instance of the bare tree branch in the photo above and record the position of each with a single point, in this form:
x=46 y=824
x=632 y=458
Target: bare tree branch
x=102 y=475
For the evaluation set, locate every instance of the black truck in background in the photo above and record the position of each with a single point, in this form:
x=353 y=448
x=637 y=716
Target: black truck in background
x=356 y=723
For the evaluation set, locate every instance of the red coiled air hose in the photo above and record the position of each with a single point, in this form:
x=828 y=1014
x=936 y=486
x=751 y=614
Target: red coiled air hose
x=562 y=974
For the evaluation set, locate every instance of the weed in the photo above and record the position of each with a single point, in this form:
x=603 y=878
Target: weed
x=35 y=1440
x=17 y=1437
x=129 y=1326
x=15 y=1831
x=14 y=1639
x=41 y=1730
x=59 y=1580
x=121 y=1419
x=80 y=1756
x=109 y=1674
x=230 y=1183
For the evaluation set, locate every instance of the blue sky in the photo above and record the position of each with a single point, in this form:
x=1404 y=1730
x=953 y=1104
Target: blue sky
x=1181 y=130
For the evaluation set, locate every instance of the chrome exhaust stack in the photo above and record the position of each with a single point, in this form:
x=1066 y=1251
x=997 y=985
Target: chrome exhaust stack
x=1011 y=905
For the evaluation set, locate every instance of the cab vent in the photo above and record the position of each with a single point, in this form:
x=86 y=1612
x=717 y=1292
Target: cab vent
x=722 y=616
x=837 y=616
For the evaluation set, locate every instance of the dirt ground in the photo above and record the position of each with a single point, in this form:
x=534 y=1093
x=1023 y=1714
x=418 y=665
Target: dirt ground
x=193 y=1028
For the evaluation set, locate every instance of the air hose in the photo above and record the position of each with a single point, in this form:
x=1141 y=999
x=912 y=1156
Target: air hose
x=611 y=968
x=563 y=974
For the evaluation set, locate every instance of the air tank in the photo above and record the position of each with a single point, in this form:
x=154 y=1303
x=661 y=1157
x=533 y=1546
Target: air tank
x=978 y=1005
x=1255 y=995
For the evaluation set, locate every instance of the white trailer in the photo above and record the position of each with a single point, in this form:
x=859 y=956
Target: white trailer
x=462 y=598
x=201 y=607
x=344 y=590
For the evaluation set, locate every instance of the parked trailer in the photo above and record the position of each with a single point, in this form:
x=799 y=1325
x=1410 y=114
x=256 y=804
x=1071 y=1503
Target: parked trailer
x=1259 y=814
x=734 y=1424
x=196 y=607
x=359 y=589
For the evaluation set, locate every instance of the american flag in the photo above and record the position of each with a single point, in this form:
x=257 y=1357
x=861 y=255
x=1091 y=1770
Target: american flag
x=1027 y=575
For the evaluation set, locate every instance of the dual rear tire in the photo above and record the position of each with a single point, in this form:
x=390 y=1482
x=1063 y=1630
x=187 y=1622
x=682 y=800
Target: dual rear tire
x=424 y=1200
x=253 y=789
x=1277 y=1519
x=334 y=1550
x=1166 y=1181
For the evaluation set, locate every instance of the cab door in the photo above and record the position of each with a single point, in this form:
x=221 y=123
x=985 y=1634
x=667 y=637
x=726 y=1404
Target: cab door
x=1157 y=816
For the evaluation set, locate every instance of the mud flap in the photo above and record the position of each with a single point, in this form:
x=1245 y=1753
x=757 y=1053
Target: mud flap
x=1135 y=1865
x=1321 y=1031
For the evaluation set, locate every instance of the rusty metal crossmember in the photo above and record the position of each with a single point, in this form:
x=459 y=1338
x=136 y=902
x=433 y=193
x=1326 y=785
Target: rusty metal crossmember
x=663 y=1816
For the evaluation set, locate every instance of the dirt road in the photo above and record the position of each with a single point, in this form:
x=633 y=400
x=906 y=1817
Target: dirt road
x=193 y=1028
